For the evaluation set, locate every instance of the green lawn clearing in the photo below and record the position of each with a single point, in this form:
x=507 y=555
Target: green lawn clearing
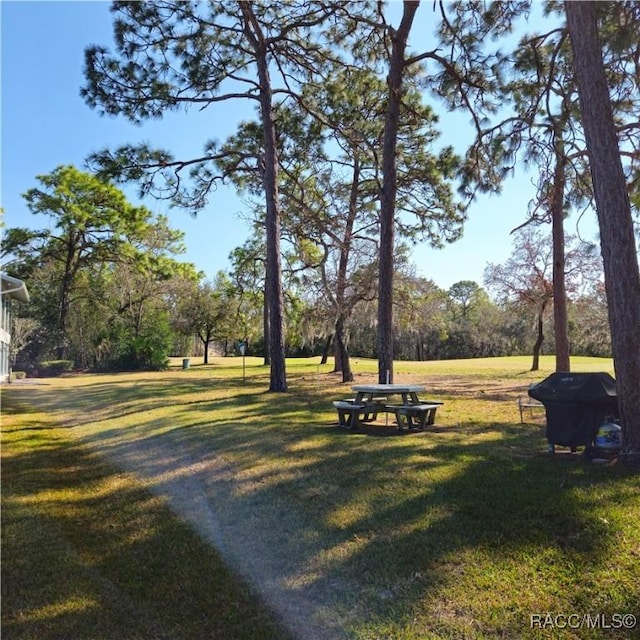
x=470 y=530
x=89 y=553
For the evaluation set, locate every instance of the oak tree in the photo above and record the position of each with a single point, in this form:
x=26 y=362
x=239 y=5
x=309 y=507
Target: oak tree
x=526 y=278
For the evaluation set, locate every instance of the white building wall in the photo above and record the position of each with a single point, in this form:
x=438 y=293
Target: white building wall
x=11 y=288
x=5 y=337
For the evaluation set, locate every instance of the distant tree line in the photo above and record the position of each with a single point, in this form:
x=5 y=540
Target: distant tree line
x=108 y=292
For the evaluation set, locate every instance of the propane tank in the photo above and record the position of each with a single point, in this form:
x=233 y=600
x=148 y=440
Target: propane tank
x=609 y=437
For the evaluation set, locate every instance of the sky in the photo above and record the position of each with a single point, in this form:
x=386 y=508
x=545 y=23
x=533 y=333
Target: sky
x=45 y=123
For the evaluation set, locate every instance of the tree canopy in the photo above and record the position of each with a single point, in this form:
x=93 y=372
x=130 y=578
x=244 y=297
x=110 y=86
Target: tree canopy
x=98 y=250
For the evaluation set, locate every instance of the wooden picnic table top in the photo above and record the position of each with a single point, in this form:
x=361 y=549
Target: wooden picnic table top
x=383 y=389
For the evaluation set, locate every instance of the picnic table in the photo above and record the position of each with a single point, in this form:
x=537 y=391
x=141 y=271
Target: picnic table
x=371 y=399
x=408 y=392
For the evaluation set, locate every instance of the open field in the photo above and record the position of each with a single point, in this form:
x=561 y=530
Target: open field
x=470 y=530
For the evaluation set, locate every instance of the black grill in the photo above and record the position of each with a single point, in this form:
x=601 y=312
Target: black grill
x=576 y=405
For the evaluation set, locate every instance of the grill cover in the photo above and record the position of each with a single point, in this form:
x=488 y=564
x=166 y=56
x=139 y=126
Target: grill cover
x=576 y=405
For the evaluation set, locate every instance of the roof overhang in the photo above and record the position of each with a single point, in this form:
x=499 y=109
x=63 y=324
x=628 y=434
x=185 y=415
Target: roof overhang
x=14 y=288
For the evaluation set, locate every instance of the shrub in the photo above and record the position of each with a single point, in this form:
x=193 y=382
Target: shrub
x=143 y=353
x=52 y=368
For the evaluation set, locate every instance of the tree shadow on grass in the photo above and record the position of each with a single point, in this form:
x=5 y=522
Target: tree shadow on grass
x=418 y=515
x=88 y=553
x=499 y=529
x=458 y=533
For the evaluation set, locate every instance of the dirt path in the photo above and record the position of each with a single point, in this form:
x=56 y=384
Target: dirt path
x=202 y=488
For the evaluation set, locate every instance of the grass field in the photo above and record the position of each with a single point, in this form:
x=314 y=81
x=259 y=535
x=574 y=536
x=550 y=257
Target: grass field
x=471 y=530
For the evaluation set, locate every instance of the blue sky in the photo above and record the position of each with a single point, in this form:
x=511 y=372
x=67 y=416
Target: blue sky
x=45 y=123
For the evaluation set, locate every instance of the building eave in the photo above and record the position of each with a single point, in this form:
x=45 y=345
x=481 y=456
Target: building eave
x=14 y=288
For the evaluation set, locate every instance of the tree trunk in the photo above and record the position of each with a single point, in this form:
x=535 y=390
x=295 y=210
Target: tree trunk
x=205 y=345
x=347 y=374
x=63 y=312
x=342 y=306
x=275 y=298
x=617 y=241
x=70 y=270
x=388 y=195
x=560 y=318
x=265 y=327
x=326 y=348
x=337 y=357
x=535 y=365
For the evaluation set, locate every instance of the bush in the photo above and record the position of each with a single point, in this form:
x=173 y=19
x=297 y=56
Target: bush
x=53 y=368
x=125 y=348
x=18 y=375
x=143 y=353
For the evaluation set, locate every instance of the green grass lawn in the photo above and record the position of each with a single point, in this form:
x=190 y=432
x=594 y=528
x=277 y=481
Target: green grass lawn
x=89 y=553
x=471 y=530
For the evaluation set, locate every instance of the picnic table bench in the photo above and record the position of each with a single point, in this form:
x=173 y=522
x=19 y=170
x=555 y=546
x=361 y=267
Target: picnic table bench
x=414 y=416
x=350 y=413
x=371 y=400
